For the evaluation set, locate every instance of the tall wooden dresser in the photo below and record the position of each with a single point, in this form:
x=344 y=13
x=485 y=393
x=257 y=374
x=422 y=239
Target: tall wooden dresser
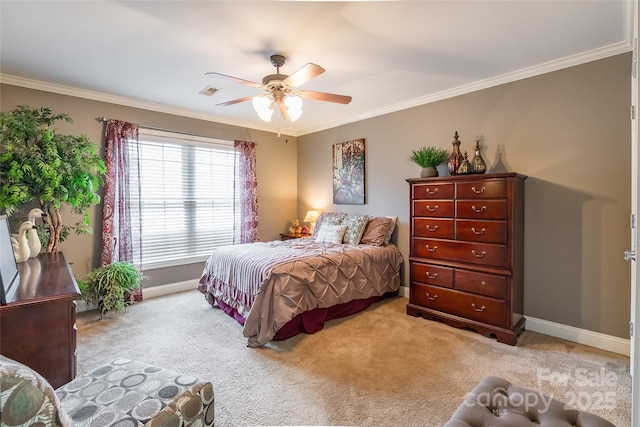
x=467 y=252
x=38 y=326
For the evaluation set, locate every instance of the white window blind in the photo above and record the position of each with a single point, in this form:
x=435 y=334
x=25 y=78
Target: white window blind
x=187 y=197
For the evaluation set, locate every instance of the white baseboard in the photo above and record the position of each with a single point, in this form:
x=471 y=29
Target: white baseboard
x=171 y=288
x=581 y=336
x=569 y=333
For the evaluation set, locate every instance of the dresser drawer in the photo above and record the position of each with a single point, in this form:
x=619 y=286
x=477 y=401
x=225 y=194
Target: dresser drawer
x=476 y=253
x=486 y=189
x=481 y=231
x=439 y=190
x=481 y=209
x=432 y=274
x=482 y=309
x=433 y=208
x=480 y=283
x=433 y=227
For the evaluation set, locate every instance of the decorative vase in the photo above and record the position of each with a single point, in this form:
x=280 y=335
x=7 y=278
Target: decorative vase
x=428 y=172
x=455 y=159
x=477 y=163
x=465 y=167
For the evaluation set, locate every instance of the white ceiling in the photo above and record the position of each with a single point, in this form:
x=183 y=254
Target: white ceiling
x=387 y=55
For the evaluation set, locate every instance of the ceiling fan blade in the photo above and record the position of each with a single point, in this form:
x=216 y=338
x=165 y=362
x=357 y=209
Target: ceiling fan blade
x=283 y=110
x=235 y=101
x=303 y=75
x=236 y=79
x=324 y=96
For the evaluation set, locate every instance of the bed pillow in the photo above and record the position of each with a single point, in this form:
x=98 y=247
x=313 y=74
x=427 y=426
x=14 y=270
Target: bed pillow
x=394 y=220
x=355 y=228
x=376 y=231
x=331 y=233
x=330 y=218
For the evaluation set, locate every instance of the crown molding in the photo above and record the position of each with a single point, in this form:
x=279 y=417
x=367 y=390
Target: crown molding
x=570 y=61
x=125 y=101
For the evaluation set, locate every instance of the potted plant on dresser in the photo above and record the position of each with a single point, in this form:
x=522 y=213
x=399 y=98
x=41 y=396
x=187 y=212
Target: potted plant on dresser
x=428 y=158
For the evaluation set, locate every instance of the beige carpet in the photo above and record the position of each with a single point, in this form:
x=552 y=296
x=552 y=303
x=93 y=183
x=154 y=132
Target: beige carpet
x=376 y=368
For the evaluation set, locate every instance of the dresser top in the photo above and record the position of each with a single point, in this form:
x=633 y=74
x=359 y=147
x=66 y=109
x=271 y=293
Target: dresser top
x=468 y=177
x=43 y=278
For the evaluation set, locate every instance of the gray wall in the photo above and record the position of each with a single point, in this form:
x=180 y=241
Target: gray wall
x=275 y=161
x=569 y=131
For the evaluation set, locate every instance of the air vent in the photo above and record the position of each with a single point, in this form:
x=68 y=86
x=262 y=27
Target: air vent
x=208 y=91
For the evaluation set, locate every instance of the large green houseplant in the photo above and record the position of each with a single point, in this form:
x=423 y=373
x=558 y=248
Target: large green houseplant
x=109 y=286
x=39 y=166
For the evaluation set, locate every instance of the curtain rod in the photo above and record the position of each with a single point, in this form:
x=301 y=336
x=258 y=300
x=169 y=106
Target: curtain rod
x=104 y=120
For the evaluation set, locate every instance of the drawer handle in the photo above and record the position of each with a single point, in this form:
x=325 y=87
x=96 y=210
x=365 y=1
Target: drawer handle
x=430 y=209
x=483 y=308
x=432 y=276
x=480 y=255
x=432 y=229
x=432 y=249
x=477 y=191
x=435 y=191
x=476 y=210
x=433 y=298
x=477 y=232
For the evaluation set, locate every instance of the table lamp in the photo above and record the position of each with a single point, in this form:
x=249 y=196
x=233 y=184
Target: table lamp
x=311 y=218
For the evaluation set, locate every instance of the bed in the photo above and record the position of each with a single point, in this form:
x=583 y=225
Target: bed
x=281 y=288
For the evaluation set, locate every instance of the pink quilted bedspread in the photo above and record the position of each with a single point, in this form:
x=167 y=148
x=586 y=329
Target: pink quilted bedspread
x=269 y=283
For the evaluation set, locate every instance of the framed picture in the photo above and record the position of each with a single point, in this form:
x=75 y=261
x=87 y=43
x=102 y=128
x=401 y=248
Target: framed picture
x=349 y=173
x=9 y=277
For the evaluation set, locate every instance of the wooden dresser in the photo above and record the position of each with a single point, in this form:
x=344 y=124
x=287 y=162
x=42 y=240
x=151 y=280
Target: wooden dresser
x=467 y=252
x=38 y=326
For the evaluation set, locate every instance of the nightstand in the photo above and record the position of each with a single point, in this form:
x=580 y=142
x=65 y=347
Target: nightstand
x=289 y=236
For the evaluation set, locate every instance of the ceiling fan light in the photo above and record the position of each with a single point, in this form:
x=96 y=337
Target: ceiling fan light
x=263 y=107
x=294 y=107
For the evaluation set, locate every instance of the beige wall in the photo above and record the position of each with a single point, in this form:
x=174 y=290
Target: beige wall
x=276 y=164
x=569 y=131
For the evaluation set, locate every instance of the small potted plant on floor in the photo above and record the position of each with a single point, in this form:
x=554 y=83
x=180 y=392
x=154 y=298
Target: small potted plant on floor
x=109 y=286
x=428 y=158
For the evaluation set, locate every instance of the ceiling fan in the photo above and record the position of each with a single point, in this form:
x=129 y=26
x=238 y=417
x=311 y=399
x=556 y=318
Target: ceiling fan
x=282 y=90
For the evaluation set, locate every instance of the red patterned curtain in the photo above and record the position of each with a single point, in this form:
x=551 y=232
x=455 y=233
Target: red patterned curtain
x=246 y=192
x=121 y=233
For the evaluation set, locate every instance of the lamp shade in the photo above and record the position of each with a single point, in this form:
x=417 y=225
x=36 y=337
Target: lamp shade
x=263 y=107
x=294 y=107
x=311 y=216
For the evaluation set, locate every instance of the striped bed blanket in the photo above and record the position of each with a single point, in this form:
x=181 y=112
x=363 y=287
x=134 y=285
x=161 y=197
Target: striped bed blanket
x=269 y=283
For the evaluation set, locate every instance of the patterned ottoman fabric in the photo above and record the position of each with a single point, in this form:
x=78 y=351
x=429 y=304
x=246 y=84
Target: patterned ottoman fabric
x=125 y=392
x=26 y=398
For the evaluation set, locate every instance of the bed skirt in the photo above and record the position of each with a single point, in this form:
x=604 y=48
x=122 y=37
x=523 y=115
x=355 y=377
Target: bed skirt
x=310 y=321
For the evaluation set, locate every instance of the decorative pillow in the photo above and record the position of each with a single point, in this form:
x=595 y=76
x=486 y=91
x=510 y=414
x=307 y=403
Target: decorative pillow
x=331 y=233
x=376 y=231
x=331 y=218
x=355 y=228
x=394 y=220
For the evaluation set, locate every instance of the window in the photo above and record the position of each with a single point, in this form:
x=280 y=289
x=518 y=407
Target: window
x=187 y=197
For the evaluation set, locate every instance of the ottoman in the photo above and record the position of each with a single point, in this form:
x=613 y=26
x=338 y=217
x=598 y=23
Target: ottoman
x=497 y=402
x=122 y=393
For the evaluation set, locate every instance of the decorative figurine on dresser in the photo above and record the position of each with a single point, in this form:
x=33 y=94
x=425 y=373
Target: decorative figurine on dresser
x=467 y=252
